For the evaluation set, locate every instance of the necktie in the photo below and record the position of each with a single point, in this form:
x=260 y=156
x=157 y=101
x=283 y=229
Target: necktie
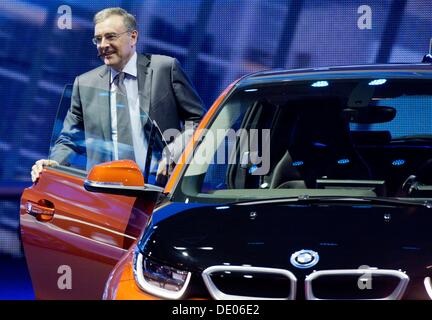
x=124 y=129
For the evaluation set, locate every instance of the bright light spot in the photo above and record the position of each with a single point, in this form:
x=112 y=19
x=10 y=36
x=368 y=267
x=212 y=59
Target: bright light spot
x=377 y=82
x=297 y=163
x=320 y=84
x=252 y=169
x=398 y=162
x=343 y=161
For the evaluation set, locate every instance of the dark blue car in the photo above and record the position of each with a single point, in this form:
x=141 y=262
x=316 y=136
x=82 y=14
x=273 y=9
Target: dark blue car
x=302 y=184
x=320 y=189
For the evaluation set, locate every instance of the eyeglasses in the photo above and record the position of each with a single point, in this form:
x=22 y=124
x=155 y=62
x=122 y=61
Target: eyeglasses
x=110 y=37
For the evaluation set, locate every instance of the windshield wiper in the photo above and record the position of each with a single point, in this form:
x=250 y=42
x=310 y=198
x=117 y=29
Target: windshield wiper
x=306 y=199
x=371 y=200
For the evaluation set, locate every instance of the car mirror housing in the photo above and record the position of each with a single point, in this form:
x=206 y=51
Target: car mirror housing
x=122 y=177
x=369 y=114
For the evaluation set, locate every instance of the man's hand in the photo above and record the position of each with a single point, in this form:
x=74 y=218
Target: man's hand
x=39 y=165
x=163 y=172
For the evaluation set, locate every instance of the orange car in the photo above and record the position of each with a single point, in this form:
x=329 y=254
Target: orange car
x=304 y=184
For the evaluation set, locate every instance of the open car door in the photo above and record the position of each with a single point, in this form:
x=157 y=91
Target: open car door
x=73 y=237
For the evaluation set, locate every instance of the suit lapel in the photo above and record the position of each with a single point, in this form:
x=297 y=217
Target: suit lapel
x=104 y=100
x=144 y=82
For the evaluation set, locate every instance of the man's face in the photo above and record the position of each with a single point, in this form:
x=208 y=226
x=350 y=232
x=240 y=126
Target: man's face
x=115 y=50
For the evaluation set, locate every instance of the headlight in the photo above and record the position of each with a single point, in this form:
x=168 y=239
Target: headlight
x=160 y=280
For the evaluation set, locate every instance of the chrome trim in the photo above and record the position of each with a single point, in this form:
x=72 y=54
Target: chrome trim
x=428 y=286
x=395 y=295
x=151 y=187
x=296 y=198
x=111 y=185
x=219 y=295
x=120 y=186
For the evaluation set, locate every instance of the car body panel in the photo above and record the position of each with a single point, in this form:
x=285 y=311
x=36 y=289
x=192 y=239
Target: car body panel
x=344 y=235
x=88 y=233
x=341 y=72
x=206 y=233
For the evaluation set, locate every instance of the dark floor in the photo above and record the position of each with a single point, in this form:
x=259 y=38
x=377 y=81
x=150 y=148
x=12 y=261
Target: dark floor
x=15 y=283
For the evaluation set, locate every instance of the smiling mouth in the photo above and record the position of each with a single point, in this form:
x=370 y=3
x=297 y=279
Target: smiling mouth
x=107 y=54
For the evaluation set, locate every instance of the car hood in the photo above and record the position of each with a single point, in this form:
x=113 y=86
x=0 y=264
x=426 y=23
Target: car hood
x=345 y=235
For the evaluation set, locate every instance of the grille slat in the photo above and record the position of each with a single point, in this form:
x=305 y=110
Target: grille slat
x=356 y=284
x=241 y=282
x=246 y=282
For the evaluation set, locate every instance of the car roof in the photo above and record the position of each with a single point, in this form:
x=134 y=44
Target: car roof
x=420 y=70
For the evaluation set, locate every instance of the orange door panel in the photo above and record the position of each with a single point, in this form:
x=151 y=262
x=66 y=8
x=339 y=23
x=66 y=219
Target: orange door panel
x=72 y=238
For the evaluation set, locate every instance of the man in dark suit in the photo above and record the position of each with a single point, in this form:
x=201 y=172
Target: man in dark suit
x=153 y=88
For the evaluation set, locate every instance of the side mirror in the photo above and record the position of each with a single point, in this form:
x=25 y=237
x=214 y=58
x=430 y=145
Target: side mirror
x=122 y=177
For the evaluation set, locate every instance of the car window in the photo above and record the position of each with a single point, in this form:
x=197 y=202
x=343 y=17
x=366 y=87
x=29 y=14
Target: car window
x=79 y=145
x=339 y=137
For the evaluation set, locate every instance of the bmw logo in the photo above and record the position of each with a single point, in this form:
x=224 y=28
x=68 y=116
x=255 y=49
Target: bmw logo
x=304 y=259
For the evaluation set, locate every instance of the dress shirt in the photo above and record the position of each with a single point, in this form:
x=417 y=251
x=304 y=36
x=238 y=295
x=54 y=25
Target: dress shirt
x=136 y=115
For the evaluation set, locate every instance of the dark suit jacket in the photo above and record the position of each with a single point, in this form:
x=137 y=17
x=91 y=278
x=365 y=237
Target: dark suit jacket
x=165 y=94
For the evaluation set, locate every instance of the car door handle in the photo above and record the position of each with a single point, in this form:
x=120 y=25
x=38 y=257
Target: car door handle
x=43 y=210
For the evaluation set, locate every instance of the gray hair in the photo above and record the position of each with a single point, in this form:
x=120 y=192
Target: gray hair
x=128 y=19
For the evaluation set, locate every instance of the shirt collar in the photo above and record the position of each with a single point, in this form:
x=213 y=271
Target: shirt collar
x=129 y=69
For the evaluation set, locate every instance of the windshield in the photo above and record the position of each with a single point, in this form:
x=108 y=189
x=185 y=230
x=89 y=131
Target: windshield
x=341 y=137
